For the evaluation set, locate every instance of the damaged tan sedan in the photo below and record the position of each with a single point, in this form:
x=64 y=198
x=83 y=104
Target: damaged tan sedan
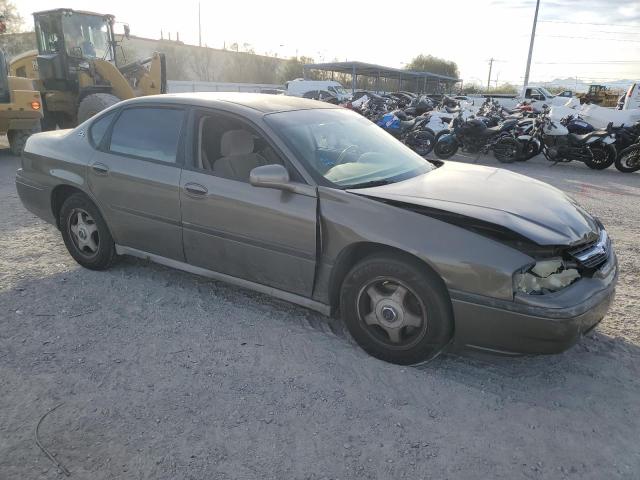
x=316 y=205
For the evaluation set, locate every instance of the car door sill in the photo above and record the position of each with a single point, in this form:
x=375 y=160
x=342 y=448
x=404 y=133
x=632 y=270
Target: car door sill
x=274 y=292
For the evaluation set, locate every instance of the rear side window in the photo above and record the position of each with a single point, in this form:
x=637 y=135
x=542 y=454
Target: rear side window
x=152 y=133
x=99 y=128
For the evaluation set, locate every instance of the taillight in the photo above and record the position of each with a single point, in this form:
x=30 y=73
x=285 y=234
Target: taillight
x=35 y=105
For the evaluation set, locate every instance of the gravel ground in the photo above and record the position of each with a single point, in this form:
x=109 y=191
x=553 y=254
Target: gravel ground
x=165 y=375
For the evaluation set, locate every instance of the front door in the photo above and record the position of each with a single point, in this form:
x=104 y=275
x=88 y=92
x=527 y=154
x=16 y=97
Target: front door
x=263 y=235
x=135 y=176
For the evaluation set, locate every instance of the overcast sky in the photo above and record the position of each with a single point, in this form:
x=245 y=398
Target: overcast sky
x=601 y=42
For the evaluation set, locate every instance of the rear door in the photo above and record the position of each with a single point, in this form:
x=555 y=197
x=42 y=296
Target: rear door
x=263 y=235
x=135 y=176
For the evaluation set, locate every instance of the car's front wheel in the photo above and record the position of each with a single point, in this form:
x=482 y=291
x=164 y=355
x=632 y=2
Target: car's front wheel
x=397 y=310
x=85 y=233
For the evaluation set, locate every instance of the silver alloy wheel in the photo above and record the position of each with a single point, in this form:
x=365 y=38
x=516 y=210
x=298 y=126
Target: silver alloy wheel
x=392 y=313
x=84 y=232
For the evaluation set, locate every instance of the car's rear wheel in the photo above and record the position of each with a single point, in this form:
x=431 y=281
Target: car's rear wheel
x=397 y=310
x=85 y=233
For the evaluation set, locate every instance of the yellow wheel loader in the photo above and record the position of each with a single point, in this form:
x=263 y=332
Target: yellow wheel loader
x=78 y=70
x=600 y=95
x=20 y=108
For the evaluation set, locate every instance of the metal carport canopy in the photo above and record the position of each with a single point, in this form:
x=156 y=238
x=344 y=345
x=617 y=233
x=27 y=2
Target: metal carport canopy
x=373 y=70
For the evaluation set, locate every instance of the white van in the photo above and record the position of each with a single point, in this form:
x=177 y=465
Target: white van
x=300 y=86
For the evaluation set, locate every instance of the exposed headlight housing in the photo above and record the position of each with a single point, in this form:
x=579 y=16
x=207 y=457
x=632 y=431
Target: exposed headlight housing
x=545 y=276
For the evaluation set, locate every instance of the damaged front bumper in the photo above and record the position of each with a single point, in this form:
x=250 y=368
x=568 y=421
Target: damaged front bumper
x=533 y=324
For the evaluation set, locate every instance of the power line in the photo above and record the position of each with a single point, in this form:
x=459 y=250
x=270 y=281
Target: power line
x=592 y=38
x=595 y=62
x=589 y=23
x=609 y=31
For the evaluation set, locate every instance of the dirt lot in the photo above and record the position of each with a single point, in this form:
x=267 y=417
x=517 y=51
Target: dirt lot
x=166 y=375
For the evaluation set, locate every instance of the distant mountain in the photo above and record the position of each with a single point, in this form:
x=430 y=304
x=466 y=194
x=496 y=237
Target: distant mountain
x=570 y=84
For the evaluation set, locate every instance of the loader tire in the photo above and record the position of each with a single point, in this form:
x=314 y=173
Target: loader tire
x=18 y=139
x=95 y=103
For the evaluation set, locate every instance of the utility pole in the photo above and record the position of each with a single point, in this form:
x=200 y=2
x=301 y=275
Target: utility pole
x=199 y=27
x=533 y=37
x=490 y=67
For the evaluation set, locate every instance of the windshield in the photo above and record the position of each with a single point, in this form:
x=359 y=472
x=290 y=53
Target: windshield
x=546 y=92
x=339 y=89
x=344 y=149
x=86 y=36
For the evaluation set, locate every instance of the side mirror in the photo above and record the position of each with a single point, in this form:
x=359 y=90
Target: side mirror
x=271 y=176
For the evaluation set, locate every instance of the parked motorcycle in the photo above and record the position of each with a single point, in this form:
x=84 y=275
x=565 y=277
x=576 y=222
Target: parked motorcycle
x=474 y=136
x=595 y=148
x=410 y=131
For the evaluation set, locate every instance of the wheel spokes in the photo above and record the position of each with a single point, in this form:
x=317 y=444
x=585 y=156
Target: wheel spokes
x=411 y=319
x=371 y=318
x=91 y=244
x=84 y=232
x=394 y=334
x=399 y=294
x=91 y=228
x=80 y=219
x=374 y=294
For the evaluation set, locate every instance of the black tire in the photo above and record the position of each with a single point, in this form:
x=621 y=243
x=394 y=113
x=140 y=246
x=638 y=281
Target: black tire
x=105 y=253
x=507 y=150
x=445 y=150
x=17 y=140
x=95 y=103
x=629 y=159
x=528 y=150
x=422 y=143
x=441 y=133
x=424 y=291
x=603 y=157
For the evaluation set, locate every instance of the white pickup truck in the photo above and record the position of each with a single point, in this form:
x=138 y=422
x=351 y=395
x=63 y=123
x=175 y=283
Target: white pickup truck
x=534 y=95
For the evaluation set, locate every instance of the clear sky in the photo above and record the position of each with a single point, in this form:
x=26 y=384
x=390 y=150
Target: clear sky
x=599 y=40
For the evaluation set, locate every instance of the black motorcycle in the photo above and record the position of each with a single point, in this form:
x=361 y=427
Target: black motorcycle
x=474 y=136
x=409 y=130
x=595 y=149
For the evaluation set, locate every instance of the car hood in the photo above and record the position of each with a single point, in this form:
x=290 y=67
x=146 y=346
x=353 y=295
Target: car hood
x=528 y=207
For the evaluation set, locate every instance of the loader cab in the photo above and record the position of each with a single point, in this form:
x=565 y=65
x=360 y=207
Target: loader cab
x=67 y=39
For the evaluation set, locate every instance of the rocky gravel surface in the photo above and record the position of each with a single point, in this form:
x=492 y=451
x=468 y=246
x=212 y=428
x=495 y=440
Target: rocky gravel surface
x=165 y=375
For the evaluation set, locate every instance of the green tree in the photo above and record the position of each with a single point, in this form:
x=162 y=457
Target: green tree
x=431 y=64
x=293 y=69
x=505 y=88
x=471 y=88
x=16 y=43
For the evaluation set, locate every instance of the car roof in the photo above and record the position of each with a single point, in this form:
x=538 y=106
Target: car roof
x=260 y=102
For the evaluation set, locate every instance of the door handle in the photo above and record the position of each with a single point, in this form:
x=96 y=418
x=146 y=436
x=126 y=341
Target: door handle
x=100 y=168
x=196 y=189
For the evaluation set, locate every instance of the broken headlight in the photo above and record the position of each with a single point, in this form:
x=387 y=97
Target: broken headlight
x=545 y=276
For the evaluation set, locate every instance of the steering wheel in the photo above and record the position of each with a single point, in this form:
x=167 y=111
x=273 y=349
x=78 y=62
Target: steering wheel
x=344 y=152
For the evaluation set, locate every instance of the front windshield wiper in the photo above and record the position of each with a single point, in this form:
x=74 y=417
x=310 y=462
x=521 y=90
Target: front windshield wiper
x=372 y=183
